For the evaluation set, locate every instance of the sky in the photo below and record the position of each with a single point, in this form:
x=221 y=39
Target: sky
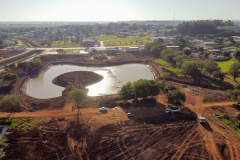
x=117 y=10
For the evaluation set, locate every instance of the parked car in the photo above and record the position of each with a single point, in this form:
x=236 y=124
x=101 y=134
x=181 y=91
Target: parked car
x=172 y=109
x=130 y=114
x=201 y=118
x=103 y=109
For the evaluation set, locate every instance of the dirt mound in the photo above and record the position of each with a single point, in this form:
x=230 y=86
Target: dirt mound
x=78 y=79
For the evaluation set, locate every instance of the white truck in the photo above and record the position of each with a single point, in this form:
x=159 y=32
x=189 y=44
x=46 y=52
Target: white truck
x=201 y=118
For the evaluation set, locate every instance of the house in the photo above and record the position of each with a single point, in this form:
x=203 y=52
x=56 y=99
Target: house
x=9 y=42
x=154 y=39
x=152 y=33
x=214 y=50
x=88 y=42
x=173 y=47
x=28 y=34
x=16 y=49
x=122 y=34
x=237 y=41
x=141 y=35
x=217 y=58
x=132 y=49
x=196 y=55
x=206 y=44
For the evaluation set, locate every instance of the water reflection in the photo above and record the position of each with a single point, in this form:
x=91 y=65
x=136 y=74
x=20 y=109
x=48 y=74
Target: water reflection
x=114 y=77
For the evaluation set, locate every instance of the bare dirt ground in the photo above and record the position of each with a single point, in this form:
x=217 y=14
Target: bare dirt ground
x=151 y=134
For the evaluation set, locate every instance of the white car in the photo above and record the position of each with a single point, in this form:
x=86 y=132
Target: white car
x=102 y=109
x=130 y=114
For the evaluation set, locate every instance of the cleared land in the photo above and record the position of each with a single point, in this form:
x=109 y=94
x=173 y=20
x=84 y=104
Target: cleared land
x=151 y=134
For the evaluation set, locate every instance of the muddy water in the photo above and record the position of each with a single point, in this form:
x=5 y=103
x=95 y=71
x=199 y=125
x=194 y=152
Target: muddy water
x=114 y=77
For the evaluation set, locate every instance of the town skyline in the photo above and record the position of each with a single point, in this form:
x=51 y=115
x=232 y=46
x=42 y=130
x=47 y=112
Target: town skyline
x=106 y=10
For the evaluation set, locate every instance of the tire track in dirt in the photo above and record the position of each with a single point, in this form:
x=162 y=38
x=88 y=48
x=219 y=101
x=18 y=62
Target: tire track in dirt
x=184 y=145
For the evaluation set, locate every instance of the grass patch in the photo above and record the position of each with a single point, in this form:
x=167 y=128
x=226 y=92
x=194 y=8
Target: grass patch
x=20 y=124
x=168 y=66
x=162 y=62
x=208 y=82
x=177 y=71
x=131 y=40
x=65 y=43
x=225 y=65
x=104 y=37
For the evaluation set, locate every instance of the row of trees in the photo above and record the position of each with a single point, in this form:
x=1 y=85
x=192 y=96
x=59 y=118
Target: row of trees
x=36 y=63
x=144 y=88
x=139 y=89
x=202 y=26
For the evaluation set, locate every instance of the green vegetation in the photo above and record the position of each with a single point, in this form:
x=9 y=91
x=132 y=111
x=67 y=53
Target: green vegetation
x=131 y=40
x=139 y=89
x=202 y=26
x=176 y=98
x=66 y=51
x=168 y=66
x=162 y=62
x=210 y=82
x=234 y=70
x=35 y=63
x=104 y=37
x=225 y=65
x=10 y=76
x=23 y=124
x=9 y=102
x=177 y=71
x=79 y=97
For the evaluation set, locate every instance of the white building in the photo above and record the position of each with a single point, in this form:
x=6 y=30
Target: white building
x=132 y=49
x=210 y=44
x=16 y=49
x=173 y=47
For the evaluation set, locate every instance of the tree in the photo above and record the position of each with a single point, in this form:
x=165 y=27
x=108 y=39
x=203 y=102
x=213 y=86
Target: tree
x=219 y=74
x=191 y=68
x=187 y=52
x=234 y=70
x=9 y=102
x=79 y=96
x=139 y=89
x=237 y=55
x=211 y=66
x=11 y=66
x=176 y=98
x=10 y=76
x=126 y=91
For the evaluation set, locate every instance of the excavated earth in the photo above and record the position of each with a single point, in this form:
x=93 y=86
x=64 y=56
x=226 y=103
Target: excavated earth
x=151 y=134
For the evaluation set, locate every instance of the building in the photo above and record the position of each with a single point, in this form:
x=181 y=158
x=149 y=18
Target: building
x=173 y=47
x=206 y=44
x=196 y=55
x=104 y=50
x=16 y=49
x=141 y=35
x=9 y=42
x=88 y=42
x=132 y=49
x=217 y=58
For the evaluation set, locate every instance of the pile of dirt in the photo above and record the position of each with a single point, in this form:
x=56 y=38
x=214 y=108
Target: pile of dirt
x=76 y=80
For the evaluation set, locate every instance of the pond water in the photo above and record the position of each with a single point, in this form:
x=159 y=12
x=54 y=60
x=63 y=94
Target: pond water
x=114 y=77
